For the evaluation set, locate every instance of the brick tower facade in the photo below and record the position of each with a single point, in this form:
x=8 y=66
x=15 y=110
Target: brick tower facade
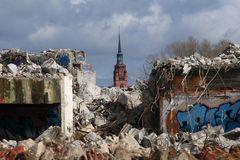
x=120 y=77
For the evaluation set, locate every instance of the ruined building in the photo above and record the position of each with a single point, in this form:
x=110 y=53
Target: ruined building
x=120 y=77
x=196 y=92
x=36 y=90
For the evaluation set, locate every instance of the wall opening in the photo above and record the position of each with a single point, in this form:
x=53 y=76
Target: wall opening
x=22 y=121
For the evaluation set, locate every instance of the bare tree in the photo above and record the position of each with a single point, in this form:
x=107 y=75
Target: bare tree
x=205 y=48
x=220 y=46
x=191 y=46
x=184 y=48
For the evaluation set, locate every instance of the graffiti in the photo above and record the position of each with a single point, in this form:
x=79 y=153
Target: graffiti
x=63 y=60
x=227 y=114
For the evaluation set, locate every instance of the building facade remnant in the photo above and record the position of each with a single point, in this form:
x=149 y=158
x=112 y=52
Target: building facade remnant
x=194 y=92
x=39 y=89
x=120 y=77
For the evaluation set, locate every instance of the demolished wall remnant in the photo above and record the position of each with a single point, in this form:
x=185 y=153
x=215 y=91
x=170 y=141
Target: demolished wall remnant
x=33 y=96
x=196 y=91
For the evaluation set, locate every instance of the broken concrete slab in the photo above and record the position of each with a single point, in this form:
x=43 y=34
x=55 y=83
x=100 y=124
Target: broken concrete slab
x=74 y=151
x=233 y=134
x=52 y=133
x=49 y=66
x=130 y=99
x=12 y=68
x=27 y=144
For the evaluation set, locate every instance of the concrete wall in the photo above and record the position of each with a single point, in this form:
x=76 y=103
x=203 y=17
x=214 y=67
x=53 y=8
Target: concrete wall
x=29 y=91
x=41 y=91
x=192 y=102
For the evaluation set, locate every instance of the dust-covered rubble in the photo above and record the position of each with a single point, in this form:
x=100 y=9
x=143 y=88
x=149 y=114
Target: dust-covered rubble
x=109 y=122
x=230 y=58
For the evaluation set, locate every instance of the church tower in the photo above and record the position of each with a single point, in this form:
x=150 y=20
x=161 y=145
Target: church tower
x=120 y=77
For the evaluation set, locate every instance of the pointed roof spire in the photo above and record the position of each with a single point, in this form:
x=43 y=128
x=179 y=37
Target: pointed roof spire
x=119 y=43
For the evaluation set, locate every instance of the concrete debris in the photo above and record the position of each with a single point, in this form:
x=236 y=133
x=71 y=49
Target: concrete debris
x=27 y=144
x=130 y=99
x=233 y=134
x=112 y=93
x=12 y=68
x=36 y=151
x=50 y=66
x=228 y=59
x=52 y=133
x=1 y=68
x=48 y=155
x=74 y=151
x=111 y=123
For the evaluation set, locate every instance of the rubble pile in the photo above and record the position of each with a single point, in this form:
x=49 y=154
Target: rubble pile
x=131 y=143
x=112 y=123
x=230 y=58
x=108 y=111
x=17 y=63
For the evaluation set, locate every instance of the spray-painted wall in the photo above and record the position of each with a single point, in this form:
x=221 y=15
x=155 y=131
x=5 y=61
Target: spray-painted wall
x=186 y=109
x=227 y=114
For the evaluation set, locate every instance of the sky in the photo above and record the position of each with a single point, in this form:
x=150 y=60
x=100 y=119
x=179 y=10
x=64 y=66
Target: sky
x=147 y=26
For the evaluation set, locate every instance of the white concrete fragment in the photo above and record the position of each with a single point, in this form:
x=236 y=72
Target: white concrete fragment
x=186 y=68
x=67 y=105
x=1 y=68
x=50 y=66
x=130 y=99
x=28 y=143
x=12 y=68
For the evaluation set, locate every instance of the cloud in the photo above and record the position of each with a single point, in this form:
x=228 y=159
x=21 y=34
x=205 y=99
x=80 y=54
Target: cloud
x=155 y=24
x=77 y=2
x=215 y=24
x=92 y=25
x=46 y=33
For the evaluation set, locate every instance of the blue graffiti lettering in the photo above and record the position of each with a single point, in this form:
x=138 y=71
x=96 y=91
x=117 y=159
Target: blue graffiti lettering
x=200 y=115
x=63 y=60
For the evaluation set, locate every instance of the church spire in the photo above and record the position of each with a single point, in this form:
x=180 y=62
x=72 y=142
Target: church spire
x=119 y=43
x=120 y=77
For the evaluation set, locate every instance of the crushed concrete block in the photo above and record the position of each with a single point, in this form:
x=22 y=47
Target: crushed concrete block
x=139 y=136
x=48 y=155
x=99 y=121
x=8 y=144
x=112 y=93
x=233 y=134
x=74 y=151
x=12 y=68
x=1 y=68
x=50 y=66
x=163 y=140
x=27 y=144
x=130 y=99
x=36 y=151
x=103 y=146
x=87 y=129
x=52 y=132
x=126 y=128
x=129 y=143
x=92 y=137
x=184 y=155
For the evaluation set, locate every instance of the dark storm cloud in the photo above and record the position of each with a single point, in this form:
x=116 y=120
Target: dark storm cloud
x=92 y=25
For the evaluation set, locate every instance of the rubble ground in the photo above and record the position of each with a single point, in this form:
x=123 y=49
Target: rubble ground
x=109 y=128
x=111 y=125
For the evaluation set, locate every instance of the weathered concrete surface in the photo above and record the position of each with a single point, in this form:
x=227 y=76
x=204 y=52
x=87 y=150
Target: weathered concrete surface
x=67 y=105
x=192 y=92
x=29 y=91
x=41 y=91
